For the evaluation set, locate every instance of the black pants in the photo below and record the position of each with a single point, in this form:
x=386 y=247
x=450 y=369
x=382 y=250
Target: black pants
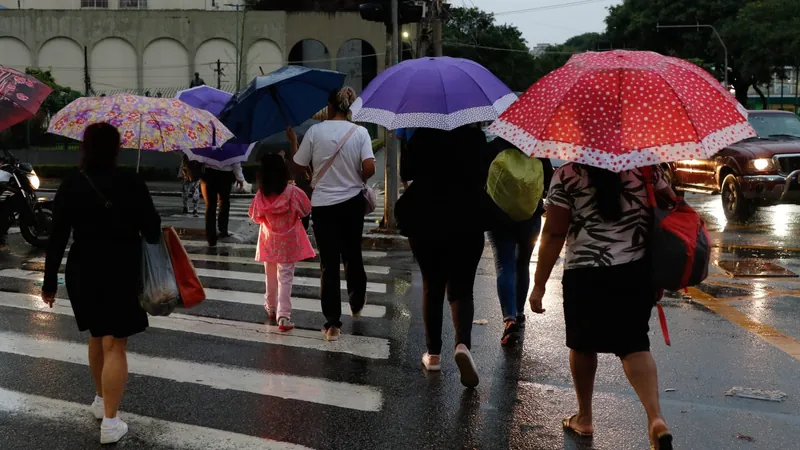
x=216 y=186
x=448 y=265
x=338 y=230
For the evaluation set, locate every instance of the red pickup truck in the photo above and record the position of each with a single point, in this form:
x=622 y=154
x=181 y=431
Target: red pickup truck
x=759 y=171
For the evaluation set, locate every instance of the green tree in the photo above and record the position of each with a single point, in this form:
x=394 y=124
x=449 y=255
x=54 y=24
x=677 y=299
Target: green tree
x=61 y=95
x=633 y=24
x=473 y=34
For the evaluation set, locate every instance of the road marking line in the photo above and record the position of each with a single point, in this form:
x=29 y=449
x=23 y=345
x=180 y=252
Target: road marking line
x=378 y=288
x=306 y=389
x=363 y=346
x=298 y=303
x=378 y=270
x=730 y=313
x=159 y=432
x=233 y=245
x=757 y=247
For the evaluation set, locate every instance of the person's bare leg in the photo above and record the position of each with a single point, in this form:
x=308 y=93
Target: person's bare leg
x=96 y=363
x=583 y=367
x=115 y=373
x=640 y=368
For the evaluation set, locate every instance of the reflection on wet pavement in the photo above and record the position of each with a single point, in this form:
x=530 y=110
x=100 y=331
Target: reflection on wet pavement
x=753 y=267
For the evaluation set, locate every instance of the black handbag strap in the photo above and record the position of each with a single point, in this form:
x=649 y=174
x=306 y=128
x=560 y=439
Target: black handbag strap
x=107 y=203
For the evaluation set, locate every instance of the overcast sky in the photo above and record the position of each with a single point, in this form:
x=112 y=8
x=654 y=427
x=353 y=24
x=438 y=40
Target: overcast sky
x=553 y=26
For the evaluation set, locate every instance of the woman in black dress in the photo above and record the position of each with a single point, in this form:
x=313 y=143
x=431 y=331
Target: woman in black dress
x=107 y=210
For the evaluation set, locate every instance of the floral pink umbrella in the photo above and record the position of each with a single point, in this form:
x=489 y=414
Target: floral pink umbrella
x=621 y=109
x=144 y=123
x=20 y=96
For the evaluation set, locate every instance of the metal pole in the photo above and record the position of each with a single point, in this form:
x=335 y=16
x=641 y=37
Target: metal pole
x=86 y=80
x=698 y=26
x=436 y=25
x=391 y=168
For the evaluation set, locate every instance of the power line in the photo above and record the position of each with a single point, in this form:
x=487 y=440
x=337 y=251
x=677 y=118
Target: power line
x=549 y=7
x=501 y=49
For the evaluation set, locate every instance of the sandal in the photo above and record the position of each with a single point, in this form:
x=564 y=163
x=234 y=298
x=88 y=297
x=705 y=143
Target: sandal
x=566 y=424
x=664 y=441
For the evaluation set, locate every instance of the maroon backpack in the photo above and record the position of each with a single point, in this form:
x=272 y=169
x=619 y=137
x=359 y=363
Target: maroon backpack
x=679 y=243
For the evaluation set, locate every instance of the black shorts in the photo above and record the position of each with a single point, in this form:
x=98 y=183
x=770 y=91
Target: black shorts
x=607 y=309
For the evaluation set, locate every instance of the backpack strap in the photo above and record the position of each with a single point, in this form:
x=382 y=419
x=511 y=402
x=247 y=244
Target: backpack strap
x=647 y=171
x=107 y=203
x=330 y=160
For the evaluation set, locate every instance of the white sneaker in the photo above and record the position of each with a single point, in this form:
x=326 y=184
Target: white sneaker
x=332 y=334
x=98 y=408
x=110 y=434
x=469 y=373
x=432 y=363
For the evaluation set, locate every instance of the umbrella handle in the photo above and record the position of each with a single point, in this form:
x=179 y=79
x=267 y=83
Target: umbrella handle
x=277 y=103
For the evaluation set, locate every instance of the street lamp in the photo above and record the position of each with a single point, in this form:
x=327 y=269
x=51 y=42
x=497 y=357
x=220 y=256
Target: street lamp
x=698 y=26
x=405 y=34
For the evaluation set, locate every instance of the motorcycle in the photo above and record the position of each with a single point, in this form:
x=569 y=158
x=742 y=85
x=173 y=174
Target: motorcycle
x=18 y=185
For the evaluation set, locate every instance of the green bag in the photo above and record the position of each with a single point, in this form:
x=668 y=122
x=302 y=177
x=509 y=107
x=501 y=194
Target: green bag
x=516 y=183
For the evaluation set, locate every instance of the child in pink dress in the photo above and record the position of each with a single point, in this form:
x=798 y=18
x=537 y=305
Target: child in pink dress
x=279 y=207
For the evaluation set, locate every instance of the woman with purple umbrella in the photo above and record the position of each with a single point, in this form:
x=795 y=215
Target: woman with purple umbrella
x=445 y=99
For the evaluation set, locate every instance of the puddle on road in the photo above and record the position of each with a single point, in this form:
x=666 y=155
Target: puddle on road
x=718 y=291
x=754 y=268
x=746 y=251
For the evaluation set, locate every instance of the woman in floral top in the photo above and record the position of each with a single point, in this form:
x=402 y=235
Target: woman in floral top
x=605 y=220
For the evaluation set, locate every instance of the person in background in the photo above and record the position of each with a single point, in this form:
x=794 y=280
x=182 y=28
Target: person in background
x=512 y=244
x=108 y=211
x=216 y=185
x=340 y=153
x=197 y=81
x=190 y=186
x=278 y=208
x=608 y=293
x=449 y=178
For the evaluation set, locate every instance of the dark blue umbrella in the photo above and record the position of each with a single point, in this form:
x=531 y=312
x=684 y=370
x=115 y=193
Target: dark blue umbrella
x=286 y=97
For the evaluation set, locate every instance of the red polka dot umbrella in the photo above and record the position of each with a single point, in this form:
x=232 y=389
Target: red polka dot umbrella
x=621 y=109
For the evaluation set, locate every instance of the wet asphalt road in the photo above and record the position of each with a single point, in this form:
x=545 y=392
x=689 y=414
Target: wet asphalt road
x=215 y=377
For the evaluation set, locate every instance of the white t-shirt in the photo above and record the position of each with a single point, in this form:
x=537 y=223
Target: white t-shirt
x=343 y=180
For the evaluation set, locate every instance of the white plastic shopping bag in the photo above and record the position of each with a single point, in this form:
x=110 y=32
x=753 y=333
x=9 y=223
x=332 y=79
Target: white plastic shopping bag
x=160 y=294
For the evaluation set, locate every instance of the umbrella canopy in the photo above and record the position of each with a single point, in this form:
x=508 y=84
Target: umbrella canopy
x=214 y=100
x=20 y=96
x=443 y=93
x=205 y=97
x=144 y=123
x=227 y=155
x=620 y=110
x=286 y=97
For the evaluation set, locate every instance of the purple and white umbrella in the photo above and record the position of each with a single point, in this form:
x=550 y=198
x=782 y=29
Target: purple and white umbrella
x=443 y=93
x=213 y=100
x=221 y=157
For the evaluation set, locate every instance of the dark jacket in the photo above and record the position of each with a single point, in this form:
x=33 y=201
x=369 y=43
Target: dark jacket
x=448 y=170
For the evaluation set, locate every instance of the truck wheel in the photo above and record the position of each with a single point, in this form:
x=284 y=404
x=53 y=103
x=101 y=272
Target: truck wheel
x=737 y=208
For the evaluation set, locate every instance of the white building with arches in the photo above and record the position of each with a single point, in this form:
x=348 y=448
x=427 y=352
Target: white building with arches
x=156 y=46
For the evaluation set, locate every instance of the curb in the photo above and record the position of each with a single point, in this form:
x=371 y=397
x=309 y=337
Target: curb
x=157 y=193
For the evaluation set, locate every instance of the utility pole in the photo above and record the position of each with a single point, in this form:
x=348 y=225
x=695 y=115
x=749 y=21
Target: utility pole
x=698 y=26
x=391 y=168
x=218 y=70
x=436 y=25
x=87 y=81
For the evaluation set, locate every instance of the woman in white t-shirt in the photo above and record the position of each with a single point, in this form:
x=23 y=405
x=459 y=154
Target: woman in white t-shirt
x=337 y=202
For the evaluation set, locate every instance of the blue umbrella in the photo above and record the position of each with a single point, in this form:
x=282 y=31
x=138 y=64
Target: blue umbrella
x=286 y=97
x=205 y=97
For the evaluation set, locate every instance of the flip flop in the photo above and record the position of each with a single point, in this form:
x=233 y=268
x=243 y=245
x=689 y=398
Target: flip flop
x=664 y=441
x=569 y=428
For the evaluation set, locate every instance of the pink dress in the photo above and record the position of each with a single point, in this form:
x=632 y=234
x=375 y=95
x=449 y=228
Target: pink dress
x=281 y=237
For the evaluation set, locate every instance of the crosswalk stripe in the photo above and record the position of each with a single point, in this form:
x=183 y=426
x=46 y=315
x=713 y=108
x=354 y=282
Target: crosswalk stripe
x=363 y=346
x=298 y=303
x=237 y=246
x=306 y=389
x=380 y=270
x=161 y=433
x=378 y=288
x=247 y=298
